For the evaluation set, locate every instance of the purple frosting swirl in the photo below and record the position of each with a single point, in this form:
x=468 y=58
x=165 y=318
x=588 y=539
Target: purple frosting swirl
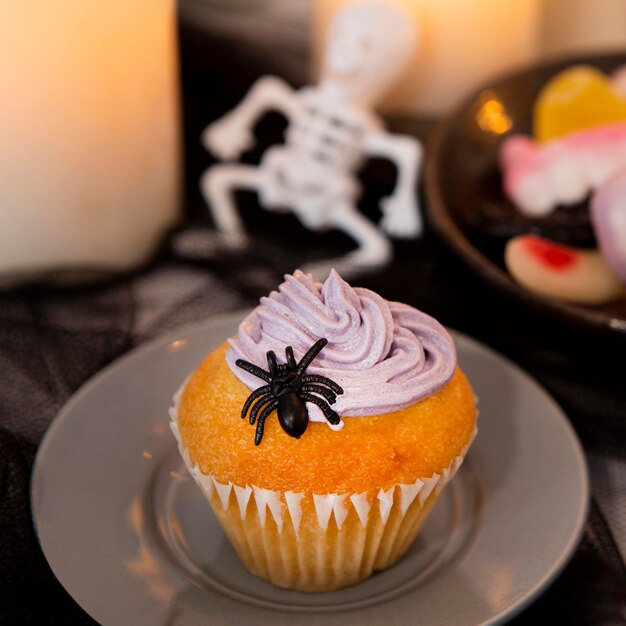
x=385 y=355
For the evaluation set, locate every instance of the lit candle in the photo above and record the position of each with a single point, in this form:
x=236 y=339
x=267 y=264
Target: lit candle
x=461 y=44
x=577 y=26
x=89 y=137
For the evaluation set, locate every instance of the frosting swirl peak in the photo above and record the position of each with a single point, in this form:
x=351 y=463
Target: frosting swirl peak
x=385 y=355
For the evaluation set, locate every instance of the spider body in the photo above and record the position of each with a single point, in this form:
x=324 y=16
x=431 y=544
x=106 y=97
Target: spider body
x=287 y=391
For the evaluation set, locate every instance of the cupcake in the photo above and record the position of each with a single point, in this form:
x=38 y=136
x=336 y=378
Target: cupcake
x=324 y=431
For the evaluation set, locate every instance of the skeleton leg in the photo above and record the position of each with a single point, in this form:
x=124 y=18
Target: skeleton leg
x=218 y=184
x=374 y=249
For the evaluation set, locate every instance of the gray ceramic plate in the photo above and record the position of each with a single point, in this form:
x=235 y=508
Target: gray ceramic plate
x=130 y=537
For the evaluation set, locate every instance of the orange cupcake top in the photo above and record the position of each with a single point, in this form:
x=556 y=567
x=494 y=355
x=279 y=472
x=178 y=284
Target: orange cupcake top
x=369 y=452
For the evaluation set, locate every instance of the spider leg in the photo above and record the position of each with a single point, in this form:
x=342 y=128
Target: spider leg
x=253 y=396
x=261 y=423
x=331 y=398
x=312 y=352
x=253 y=369
x=314 y=378
x=291 y=361
x=271 y=362
x=257 y=407
x=329 y=414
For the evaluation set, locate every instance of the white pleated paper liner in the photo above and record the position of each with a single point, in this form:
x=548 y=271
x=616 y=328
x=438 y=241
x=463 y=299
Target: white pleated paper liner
x=286 y=507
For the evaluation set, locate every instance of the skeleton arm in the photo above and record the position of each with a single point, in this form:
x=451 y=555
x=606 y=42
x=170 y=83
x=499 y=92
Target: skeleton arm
x=401 y=216
x=232 y=134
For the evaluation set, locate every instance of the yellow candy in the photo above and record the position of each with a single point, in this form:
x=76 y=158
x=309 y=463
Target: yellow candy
x=577 y=98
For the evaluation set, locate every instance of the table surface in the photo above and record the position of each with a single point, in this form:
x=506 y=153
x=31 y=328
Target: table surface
x=53 y=339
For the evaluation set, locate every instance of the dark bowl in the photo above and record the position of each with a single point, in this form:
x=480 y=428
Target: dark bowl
x=463 y=186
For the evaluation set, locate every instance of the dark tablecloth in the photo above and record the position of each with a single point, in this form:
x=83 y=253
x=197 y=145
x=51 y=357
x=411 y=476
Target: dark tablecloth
x=53 y=340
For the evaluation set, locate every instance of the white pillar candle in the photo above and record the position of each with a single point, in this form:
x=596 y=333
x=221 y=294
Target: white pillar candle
x=89 y=133
x=461 y=44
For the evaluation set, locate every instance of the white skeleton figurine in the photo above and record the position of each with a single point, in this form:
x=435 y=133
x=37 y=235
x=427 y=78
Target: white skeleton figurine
x=332 y=131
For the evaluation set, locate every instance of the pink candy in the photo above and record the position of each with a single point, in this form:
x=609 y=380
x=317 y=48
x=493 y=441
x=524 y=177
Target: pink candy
x=538 y=177
x=608 y=215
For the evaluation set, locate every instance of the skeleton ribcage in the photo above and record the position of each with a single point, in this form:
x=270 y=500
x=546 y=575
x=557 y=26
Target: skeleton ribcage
x=326 y=139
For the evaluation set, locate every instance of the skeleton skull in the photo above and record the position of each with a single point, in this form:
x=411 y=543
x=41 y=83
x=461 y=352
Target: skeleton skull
x=368 y=47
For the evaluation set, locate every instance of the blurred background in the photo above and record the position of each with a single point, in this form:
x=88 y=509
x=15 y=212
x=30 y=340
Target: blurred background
x=91 y=150
x=285 y=38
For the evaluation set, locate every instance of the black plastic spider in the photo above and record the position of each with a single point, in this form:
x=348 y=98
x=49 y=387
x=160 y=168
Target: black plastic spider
x=288 y=390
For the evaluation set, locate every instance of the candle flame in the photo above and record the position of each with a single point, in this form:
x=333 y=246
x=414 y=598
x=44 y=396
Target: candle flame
x=492 y=116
